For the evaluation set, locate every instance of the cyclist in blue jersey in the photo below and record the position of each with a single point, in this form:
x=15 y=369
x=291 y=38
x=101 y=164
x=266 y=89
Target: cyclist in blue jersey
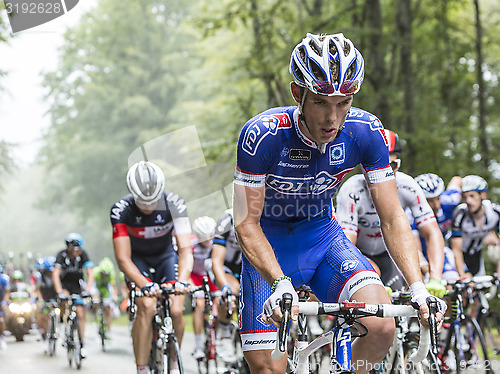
x=4 y=287
x=443 y=202
x=290 y=162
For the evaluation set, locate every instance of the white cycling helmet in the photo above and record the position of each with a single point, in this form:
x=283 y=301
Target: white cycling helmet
x=432 y=185
x=146 y=182
x=327 y=65
x=474 y=183
x=204 y=228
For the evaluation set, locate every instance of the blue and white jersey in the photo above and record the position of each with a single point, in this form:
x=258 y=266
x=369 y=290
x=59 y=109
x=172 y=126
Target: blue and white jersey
x=449 y=201
x=299 y=180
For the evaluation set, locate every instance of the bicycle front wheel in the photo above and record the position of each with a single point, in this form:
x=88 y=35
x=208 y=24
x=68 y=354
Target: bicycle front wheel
x=173 y=361
x=490 y=325
x=52 y=337
x=471 y=347
x=78 y=344
x=430 y=365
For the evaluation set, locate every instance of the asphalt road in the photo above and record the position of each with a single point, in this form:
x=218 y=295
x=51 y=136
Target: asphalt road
x=28 y=356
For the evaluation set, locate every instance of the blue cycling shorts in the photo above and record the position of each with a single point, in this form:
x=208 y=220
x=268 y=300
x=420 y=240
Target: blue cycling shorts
x=313 y=252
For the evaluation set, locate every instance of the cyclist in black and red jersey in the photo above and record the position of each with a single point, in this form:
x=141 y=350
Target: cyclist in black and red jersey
x=144 y=224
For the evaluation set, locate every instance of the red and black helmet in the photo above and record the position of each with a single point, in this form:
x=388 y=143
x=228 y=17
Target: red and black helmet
x=395 y=144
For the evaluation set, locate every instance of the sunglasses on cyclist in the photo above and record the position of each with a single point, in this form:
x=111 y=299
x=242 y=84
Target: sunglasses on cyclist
x=73 y=243
x=395 y=164
x=326 y=88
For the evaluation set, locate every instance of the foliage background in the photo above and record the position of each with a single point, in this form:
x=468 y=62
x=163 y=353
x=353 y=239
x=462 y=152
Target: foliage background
x=132 y=72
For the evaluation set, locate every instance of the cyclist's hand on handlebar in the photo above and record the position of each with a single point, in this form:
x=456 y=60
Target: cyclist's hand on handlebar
x=436 y=288
x=272 y=312
x=419 y=296
x=151 y=289
x=225 y=291
x=181 y=287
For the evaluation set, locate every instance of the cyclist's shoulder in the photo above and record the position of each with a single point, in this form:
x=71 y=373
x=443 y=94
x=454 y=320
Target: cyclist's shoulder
x=264 y=130
x=120 y=208
x=175 y=203
x=459 y=213
x=361 y=122
x=406 y=183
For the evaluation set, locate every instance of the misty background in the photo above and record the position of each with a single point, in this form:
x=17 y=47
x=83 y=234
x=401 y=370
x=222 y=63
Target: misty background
x=176 y=80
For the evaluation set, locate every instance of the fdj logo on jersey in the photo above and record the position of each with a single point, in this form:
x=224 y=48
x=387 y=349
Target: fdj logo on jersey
x=262 y=127
x=348 y=265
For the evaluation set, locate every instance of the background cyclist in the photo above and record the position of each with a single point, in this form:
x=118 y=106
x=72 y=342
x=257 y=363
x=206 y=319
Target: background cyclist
x=46 y=292
x=105 y=288
x=361 y=224
x=443 y=202
x=204 y=229
x=225 y=267
x=290 y=161
x=68 y=276
x=4 y=286
x=144 y=223
x=472 y=222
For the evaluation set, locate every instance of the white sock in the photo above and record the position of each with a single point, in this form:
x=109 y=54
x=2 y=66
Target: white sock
x=143 y=369
x=198 y=341
x=225 y=331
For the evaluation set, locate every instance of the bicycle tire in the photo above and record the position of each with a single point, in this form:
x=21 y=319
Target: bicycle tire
x=156 y=356
x=102 y=329
x=70 y=343
x=430 y=365
x=173 y=355
x=477 y=355
x=490 y=325
x=78 y=343
x=51 y=338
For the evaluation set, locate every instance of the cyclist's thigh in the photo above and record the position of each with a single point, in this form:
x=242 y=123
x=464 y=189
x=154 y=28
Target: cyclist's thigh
x=343 y=271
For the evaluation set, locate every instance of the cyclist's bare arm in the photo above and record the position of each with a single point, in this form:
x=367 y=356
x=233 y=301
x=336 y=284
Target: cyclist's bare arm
x=90 y=279
x=247 y=209
x=396 y=229
x=435 y=248
x=185 y=256
x=123 y=254
x=56 y=279
x=456 y=247
x=351 y=236
x=218 y=256
x=456 y=181
x=248 y=206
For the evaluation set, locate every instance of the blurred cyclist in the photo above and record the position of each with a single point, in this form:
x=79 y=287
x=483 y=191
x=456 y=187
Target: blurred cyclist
x=204 y=229
x=105 y=287
x=45 y=291
x=68 y=275
x=4 y=286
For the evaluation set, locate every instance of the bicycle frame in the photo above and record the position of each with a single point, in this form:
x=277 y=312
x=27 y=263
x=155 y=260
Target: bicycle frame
x=340 y=335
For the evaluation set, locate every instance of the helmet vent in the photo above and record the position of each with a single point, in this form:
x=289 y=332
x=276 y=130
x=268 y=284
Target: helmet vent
x=350 y=72
x=298 y=73
x=332 y=48
x=315 y=48
x=319 y=74
x=334 y=70
x=347 y=49
x=147 y=181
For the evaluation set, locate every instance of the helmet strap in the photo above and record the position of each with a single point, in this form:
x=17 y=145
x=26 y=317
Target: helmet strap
x=322 y=146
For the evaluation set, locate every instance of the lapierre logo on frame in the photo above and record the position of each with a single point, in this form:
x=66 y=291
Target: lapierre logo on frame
x=25 y=14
